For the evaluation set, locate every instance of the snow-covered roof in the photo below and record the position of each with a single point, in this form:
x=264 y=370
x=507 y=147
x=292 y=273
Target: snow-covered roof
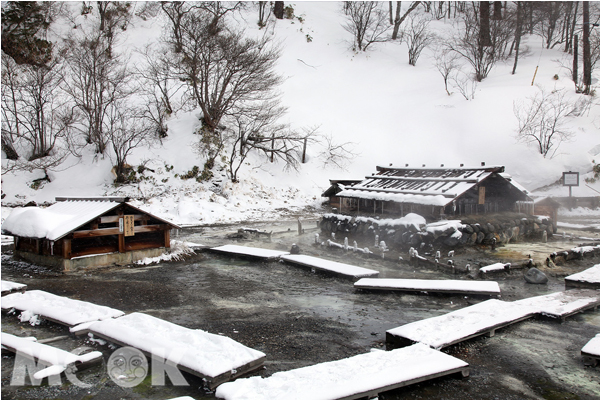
x=427 y=186
x=61 y=218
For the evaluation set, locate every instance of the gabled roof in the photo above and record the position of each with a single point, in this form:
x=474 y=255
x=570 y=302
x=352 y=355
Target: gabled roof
x=61 y=218
x=427 y=186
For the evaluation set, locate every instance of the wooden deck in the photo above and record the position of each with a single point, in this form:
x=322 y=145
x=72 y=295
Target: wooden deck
x=319 y=264
x=488 y=316
x=361 y=376
x=589 y=279
x=486 y=288
x=251 y=252
x=58 y=309
x=57 y=360
x=9 y=287
x=591 y=351
x=215 y=358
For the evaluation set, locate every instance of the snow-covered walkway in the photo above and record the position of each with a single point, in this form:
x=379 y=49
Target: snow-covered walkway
x=485 y=317
x=361 y=376
x=589 y=278
x=329 y=266
x=61 y=310
x=57 y=360
x=10 y=287
x=591 y=350
x=255 y=252
x=430 y=285
x=213 y=357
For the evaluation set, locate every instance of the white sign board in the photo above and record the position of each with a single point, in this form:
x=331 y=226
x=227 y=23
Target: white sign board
x=570 y=178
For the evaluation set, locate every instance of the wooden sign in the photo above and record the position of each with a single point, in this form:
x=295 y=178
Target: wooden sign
x=570 y=178
x=128 y=225
x=482 y=195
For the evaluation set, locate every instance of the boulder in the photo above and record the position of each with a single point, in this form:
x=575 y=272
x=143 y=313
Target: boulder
x=534 y=275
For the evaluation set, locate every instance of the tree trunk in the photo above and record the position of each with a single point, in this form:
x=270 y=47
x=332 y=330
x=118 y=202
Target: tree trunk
x=399 y=21
x=518 y=33
x=391 y=13
x=484 y=24
x=278 y=9
x=575 y=58
x=497 y=11
x=587 y=57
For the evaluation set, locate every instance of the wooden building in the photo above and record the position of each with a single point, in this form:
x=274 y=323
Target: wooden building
x=549 y=207
x=83 y=232
x=431 y=192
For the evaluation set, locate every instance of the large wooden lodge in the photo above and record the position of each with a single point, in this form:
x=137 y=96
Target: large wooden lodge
x=431 y=192
x=87 y=232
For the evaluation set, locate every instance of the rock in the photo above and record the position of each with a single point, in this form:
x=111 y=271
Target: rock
x=295 y=249
x=534 y=275
x=480 y=237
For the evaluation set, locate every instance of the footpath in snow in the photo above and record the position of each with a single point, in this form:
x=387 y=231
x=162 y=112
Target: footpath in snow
x=361 y=376
x=213 y=357
x=430 y=285
x=56 y=360
x=485 y=317
x=62 y=310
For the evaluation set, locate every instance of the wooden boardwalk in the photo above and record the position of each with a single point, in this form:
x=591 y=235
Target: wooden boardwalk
x=591 y=351
x=590 y=278
x=215 y=358
x=488 y=316
x=361 y=376
x=318 y=264
x=252 y=252
x=59 y=309
x=487 y=288
x=56 y=360
x=9 y=287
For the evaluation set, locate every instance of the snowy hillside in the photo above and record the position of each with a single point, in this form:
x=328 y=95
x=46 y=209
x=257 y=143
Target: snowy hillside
x=391 y=112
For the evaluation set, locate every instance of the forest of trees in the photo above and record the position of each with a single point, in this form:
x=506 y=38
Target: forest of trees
x=77 y=92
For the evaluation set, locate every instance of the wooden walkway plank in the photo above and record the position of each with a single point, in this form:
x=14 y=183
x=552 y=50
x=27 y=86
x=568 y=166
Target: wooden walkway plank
x=563 y=304
x=57 y=360
x=59 y=309
x=460 y=325
x=591 y=351
x=361 y=376
x=590 y=278
x=244 y=251
x=213 y=357
x=489 y=288
x=329 y=266
x=8 y=287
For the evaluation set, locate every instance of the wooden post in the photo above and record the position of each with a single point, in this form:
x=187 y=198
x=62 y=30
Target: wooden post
x=167 y=238
x=272 y=147
x=67 y=249
x=121 y=232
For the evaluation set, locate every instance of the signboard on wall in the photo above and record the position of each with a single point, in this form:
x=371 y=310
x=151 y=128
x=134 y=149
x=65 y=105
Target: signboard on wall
x=481 y=194
x=570 y=178
x=128 y=223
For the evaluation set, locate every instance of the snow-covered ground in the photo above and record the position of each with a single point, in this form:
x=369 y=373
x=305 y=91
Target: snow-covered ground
x=391 y=112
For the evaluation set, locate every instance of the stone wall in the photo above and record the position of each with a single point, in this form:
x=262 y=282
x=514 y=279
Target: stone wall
x=402 y=234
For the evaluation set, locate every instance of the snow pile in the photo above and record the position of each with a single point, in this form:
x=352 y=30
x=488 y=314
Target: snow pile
x=346 y=377
x=591 y=275
x=9 y=286
x=33 y=222
x=445 y=228
x=57 y=308
x=209 y=354
x=179 y=250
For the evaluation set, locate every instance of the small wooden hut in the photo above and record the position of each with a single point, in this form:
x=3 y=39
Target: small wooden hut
x=549 y=207
x=432 y=192
x=83 y=232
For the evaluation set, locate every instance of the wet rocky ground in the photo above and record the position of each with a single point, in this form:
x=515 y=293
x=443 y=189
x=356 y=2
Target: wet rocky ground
x=300 y=318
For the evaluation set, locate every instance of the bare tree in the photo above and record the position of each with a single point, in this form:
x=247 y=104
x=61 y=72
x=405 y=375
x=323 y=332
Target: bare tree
x=417 y=36
x=541 y=120
x=98 y=79
x=446 y=62
x=367 y=22
x=336 y=154
x=35 y=117
x=224 y=71
x=398 y=20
